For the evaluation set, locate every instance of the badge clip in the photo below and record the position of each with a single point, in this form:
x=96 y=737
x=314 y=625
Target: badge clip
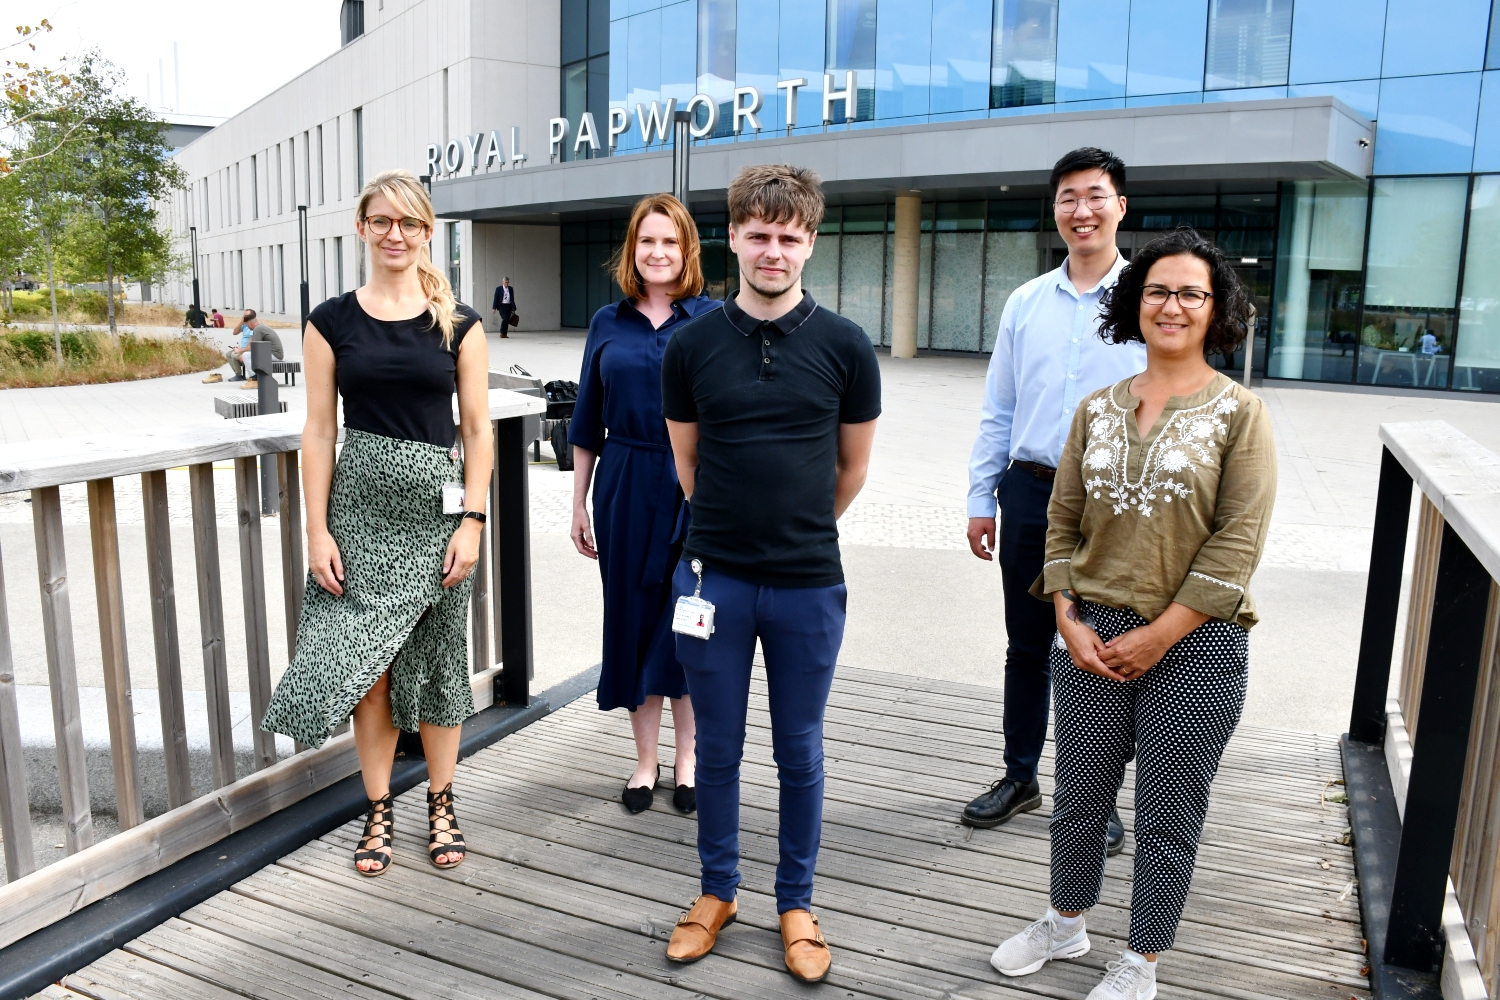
x=693 y=615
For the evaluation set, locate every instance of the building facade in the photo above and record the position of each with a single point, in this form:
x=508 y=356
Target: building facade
x=1346 y=153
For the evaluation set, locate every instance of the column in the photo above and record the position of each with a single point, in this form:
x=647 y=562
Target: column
x=907 y=269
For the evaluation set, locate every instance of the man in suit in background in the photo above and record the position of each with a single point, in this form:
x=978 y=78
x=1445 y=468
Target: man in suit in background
x=505 y=305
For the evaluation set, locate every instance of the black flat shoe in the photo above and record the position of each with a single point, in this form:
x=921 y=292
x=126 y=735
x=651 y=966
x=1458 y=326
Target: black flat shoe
x=1004 y=799
x=685 y=798
x=1114 y=834
x=639 y=798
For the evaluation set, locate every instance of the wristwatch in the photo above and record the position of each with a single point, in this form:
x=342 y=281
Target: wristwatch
x=477 y=515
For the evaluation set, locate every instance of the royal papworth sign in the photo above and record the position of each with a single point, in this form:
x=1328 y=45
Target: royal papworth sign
x=482 y=151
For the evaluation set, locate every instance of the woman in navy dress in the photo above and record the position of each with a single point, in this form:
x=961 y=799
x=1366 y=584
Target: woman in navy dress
x=620 y=441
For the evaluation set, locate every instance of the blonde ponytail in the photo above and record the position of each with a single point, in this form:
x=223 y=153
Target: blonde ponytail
x=407 y=195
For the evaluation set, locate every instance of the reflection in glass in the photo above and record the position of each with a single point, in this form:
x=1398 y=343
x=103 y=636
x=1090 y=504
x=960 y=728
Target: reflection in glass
x=1318 y=280
x=960 y=55
x=1249 y=43
x=1092 y=39
x=1422 y=37
x=1166 y=47
x=1492 y=56
x=716 y=59
x=679 y=52
x=1169 y=212
x=574 y=99
x=1416 y=224
x=1024 y=64
x=802 y=57
x=1427 y=124
x=1337 y=40
x=643 y=82
x=850 y=44
x=903 y=59
x=756 y=61
x=574 y=43
x=1476 y=355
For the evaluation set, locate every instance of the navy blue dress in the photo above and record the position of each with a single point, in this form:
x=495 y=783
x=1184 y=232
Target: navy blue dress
x=638 y=508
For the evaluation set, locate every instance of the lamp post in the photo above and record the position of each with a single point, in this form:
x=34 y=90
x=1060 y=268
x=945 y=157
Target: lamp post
x=302 y=249
x=193 y=241
x=682 y=145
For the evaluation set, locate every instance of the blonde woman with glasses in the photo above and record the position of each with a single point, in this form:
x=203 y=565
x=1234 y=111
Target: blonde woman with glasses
x=383 y=633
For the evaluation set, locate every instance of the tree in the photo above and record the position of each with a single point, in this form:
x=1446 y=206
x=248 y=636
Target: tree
x=124 y=169
x=17 y=236
x=21 y=80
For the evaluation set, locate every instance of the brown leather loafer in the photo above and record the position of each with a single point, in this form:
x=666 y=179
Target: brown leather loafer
x=807 y=955
x=698 y=929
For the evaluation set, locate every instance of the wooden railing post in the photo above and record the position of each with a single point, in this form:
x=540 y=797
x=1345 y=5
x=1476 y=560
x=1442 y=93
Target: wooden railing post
x=497 y=633
x=253 y=594
x=62 y=668
x=211 y=622
x=1382 y=597
x=513 y=571
x=15 y=815
x=293 y=570
x=164 y=629
x=1414 y=938
x=117 y=692
x=479 y=609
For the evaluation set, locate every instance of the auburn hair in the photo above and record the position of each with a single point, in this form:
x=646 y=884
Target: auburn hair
x=407 y=196
x=628 y=277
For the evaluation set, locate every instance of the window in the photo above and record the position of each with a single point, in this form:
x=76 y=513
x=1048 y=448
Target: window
x=321 y=166
x=338 y=157
x=322 y=270
x=1249 y=44
x=850 y=44
x=903 y=62
x=1427 y=124
x=575 y=95
x=1492 y=54
x=239 y=201
x=203 y=184
x=254 y=186
x=1423 y=36
x=1023 y=67
x=1476 y=355
x=280 y=277
x=1092 y=41
x=280 y=201
x=291 y=156
x=1336 y=40
x=455 y=254
x=359 y=157
x=717 y=38
x=307 y=188
x=1166 y=47
x=338 y=265
x=1315 y=321
x=1411 y=278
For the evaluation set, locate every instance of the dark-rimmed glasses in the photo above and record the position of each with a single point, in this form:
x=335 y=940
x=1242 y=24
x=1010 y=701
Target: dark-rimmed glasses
x=1188 y=298
x=1095 y=202
x=410 y=228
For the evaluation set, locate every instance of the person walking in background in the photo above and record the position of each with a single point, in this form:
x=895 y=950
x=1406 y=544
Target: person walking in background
x=1046 y=358
x=638 y=507
x=504 y=305
x=391 y=538
x=771 y=405
x=1156 y=524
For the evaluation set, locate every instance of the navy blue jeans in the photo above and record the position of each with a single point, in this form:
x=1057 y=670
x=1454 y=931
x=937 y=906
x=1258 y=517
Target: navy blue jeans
x=1030 y=624
x=800 y=631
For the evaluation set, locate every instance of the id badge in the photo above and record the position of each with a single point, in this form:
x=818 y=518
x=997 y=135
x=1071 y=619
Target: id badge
x=453 y=498
x=693 y=615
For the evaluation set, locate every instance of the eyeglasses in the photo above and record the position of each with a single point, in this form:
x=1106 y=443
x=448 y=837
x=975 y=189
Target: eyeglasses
x=1188 y=298
x=1094 y=201
x=380 y=225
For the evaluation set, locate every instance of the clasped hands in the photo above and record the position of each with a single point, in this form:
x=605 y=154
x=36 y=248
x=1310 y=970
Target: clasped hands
x=1128 y=655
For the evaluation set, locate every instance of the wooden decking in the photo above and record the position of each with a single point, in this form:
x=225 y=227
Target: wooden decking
x=564 y=895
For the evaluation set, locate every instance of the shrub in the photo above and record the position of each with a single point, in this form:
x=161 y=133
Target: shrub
x=27 y=358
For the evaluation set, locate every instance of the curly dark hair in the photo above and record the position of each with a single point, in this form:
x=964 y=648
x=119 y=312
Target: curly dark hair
x=1120 y=307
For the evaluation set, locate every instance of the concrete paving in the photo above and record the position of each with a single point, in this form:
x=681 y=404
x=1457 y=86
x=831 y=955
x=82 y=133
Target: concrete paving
x=919 y=602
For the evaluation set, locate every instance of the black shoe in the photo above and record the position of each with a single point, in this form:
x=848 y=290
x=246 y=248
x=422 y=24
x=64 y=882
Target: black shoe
x=639 y=799
x=1005 y=798
x=1114 y=834
x=685 y=798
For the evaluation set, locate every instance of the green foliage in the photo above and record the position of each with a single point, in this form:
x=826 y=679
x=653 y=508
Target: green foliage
x=26 y=358
x=81 y=306
x=33 y=347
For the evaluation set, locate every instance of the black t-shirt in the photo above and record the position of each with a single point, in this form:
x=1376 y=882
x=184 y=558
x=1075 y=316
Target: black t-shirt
x=394 y=375
x=768 y=398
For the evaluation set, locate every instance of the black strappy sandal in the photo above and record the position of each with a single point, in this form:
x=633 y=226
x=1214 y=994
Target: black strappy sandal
x=376 y=846
x=447 y=838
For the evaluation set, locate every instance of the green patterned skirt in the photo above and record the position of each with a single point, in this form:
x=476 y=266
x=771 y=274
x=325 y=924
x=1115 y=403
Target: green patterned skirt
x=385 y=513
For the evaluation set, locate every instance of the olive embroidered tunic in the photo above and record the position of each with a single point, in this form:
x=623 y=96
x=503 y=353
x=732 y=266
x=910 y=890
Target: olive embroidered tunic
x=1180 y=516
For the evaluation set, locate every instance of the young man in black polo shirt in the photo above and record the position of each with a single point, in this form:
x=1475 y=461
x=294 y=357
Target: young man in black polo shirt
x=771 y=405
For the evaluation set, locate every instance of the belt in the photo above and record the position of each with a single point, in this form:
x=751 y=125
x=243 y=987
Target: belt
x=1038 y=471
x=614 y=438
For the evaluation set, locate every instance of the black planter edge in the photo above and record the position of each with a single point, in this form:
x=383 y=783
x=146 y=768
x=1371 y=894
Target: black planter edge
x=1376 y=828
x=44 y=957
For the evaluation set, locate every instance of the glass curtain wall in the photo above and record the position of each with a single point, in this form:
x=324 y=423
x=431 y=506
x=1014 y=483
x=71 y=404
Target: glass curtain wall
x=717 y=35
x=1249 y=44
x=820 y=275
x=1411 y=280
x=1024 y=61
x=850 y=44
x=1476 y=355
x=862 y=275
x=587 y=248
x=958 y=276
x=1319 y=276
x=585 y=66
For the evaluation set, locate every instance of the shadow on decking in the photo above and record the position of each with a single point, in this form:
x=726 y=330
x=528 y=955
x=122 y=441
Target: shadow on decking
x=564 y=895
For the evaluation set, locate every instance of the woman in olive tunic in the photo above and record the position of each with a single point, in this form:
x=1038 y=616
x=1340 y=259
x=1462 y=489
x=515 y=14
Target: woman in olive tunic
x=383 y=632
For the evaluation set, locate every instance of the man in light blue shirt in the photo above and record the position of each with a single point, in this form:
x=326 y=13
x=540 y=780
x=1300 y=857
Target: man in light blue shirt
x=1048 y=356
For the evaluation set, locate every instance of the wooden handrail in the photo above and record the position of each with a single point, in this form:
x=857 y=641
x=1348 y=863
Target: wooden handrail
x=34 y=899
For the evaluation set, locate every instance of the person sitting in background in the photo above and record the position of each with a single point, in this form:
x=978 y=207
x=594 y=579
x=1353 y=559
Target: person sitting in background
x=217 y=319
x=236 y=349
x=262 y=333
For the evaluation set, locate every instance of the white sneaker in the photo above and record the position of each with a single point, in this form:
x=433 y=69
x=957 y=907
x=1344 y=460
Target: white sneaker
x=1126 y=980
x=1037 y=945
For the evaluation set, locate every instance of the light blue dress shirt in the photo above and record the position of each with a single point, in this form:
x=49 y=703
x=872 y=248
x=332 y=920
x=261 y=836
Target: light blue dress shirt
x=1048 y=356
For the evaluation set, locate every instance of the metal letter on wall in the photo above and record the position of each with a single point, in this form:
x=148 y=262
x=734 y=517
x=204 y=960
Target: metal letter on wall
x=472 y=143
x=516 y=156
x=707 y=128
x=791 y=87
x=494 y=152
x=655 y=123
x=453 y=157
x=557 y=134
x=588 y=133
x=847 y=95
x=434 y=159
x=746 y=112
x=619 y=124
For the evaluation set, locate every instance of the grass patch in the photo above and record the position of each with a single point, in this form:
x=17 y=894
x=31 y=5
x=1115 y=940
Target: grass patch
x=85 y=306
x=27 y=359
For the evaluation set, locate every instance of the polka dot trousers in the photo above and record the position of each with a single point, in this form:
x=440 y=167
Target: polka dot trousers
x=1175 y=721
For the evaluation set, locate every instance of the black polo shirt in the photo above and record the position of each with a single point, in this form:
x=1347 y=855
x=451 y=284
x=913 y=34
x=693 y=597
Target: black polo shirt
x=768 y=398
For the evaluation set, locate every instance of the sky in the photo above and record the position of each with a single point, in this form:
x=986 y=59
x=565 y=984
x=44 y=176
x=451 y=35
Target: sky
x=229 y=53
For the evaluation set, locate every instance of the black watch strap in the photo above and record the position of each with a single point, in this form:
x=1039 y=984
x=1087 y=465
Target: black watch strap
x=477 y=515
